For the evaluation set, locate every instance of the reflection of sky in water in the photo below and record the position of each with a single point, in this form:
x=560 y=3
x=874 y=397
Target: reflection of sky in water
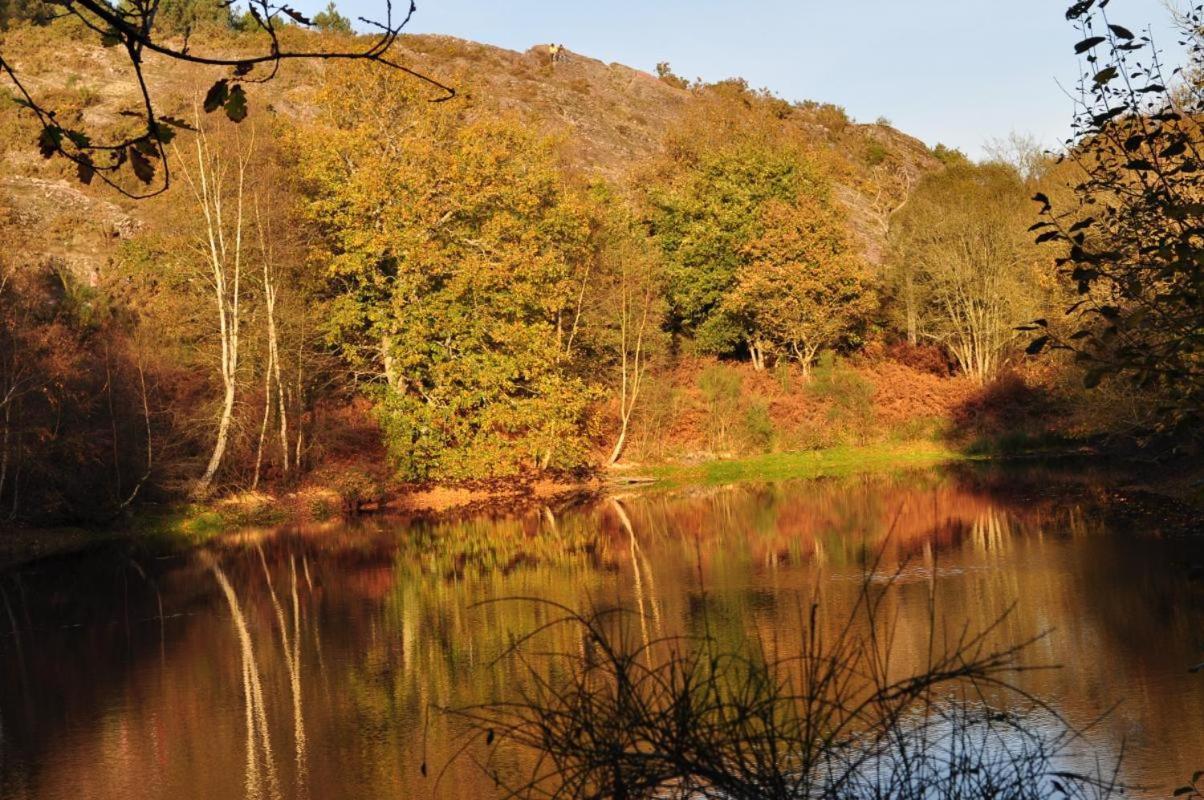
x=350 y=633
x=969 y=747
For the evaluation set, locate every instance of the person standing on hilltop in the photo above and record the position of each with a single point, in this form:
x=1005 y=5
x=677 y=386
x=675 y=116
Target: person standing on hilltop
x=557 y=51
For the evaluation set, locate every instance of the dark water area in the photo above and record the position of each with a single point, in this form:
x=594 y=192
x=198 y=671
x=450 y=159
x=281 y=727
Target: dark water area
x=304 y=663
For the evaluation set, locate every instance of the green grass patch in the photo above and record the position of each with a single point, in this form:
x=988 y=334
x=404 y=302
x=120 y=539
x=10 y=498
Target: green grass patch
x=160 y=530
x=830 y=462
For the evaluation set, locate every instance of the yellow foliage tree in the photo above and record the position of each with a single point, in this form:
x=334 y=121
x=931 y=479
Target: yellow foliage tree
x=805 y=287
x=454 y=253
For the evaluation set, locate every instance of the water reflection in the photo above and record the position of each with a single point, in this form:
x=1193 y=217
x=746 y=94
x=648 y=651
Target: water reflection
x=304 y=663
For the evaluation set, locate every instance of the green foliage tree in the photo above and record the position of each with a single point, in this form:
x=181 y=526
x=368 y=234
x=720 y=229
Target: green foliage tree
x=1131 y=244
x=949 y=156
x=704 y=218
x=330 y=20
x=186 y=16
x=666 y=74
x=454 y=253
x=967 y=273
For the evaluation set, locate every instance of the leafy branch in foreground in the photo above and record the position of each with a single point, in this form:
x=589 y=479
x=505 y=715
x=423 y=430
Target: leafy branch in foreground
x=1134 y=244
x=686 y=717
x=132 y=27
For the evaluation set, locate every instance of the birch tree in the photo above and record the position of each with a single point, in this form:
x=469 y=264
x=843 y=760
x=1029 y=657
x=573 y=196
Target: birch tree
x=631 y=308
x=218 y=184
x=274 y=393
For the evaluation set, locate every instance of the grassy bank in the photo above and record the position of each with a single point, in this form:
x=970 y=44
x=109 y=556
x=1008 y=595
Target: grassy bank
x=829 y=462
x=188 y=525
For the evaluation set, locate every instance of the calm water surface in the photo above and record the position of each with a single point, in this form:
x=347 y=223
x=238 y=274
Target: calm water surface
x=300 y=663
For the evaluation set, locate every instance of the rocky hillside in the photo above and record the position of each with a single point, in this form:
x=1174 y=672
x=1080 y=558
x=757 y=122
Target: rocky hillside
x=611 y=118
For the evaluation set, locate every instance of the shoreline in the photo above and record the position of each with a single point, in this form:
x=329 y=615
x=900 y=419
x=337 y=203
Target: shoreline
x=190 y=525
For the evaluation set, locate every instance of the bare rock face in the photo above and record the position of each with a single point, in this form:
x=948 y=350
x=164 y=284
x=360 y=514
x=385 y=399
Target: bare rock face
x=59 y=222
x=611 y=118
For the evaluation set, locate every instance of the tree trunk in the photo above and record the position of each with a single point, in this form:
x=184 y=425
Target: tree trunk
x=263 y=428
x=150 y=445
x=225 y=268
x=758 y=356
x=617 y=452
x=300 y=394
x=386 y=356
x=219 y=445
x=632 y=357
x=909 y=300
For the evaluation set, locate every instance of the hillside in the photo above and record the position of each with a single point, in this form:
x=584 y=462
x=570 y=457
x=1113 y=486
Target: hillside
x=611 y=119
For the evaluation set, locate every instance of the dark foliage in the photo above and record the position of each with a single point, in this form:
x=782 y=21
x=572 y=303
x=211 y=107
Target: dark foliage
x=1133 y=247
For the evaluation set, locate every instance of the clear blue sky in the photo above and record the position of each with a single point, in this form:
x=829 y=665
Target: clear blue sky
x=952 y=71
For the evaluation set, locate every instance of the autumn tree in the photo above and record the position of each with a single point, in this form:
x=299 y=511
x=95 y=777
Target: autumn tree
x=625 y=308
x=74 y=430
x=217 y=179
x=705 y=214
x=805 y=286
x=964 y=264
x=454 y=252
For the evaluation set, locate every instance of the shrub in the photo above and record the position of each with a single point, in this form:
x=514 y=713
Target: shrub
x=689 y=717
x=874 y=154
x=355 y=488
x=923 y=357
x=757 y=428
x=721 y=388
x=1008 y=410
x=850 y=395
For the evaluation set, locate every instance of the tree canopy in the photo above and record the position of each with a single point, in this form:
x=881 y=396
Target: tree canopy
x=962 y=259
x=454 y=258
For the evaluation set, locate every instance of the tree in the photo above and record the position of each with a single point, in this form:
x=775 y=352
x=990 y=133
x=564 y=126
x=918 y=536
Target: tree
x=949 y=156
x=12 y=11
x=454 y=253
x=219 y=189
x=186 y=16
x=964 y=265
x=138 y=30
x=274 y=388
x=666 y=74
x=626 y=306
x=330 y=20
x=805 y=287
x=705 y=216
x=75 y=432
x=1131 y=240
x=1022 y=152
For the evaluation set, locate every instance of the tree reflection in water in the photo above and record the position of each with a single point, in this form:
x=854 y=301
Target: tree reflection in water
x=331 y=643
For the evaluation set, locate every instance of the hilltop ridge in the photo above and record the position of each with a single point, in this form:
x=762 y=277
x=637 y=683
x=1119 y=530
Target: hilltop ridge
x=610 y=118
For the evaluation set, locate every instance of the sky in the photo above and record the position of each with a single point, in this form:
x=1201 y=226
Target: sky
x=959 y=72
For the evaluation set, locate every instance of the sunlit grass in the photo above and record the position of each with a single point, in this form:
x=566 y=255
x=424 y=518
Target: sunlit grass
x=829 y=462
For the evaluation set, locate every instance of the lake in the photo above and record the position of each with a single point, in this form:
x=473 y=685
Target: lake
x=310 y=662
